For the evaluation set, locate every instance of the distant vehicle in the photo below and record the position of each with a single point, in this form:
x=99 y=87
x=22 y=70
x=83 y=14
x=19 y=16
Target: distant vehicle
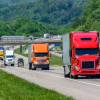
x=1 y=55
x=2 y=52
x=9 y=58
x=46 y=35
x=20 y=62
x=39 y=56
x=30 y=38
x=1 y=62
x=81 y=54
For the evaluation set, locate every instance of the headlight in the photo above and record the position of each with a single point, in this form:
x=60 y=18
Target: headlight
x=35 y=62
x=98 y=67
x=76 y=68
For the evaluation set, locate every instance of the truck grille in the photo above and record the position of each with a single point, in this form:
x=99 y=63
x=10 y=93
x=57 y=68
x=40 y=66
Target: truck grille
x=88 y=65
x=41 y=61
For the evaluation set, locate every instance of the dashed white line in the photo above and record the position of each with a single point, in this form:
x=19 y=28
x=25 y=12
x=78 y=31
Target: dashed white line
x=86 y=83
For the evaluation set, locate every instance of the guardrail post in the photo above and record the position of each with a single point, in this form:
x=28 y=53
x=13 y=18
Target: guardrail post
x=21 y=49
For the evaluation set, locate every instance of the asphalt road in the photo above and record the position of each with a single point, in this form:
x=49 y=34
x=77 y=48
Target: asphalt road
x=80 y=89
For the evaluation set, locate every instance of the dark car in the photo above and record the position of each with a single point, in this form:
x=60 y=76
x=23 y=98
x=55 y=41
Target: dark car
x=20 y=62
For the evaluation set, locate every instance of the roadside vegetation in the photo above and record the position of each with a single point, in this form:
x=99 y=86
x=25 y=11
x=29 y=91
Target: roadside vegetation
x=55 y=60
x=36 y=18
x=26 y=17
x=14 y=88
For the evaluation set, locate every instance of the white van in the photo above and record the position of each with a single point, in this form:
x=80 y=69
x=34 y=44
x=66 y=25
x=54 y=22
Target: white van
x=9 y=58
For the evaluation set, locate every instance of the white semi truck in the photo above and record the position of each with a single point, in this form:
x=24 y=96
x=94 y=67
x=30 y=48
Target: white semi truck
x=9 y=58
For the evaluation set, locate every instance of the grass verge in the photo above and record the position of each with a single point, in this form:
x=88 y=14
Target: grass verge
x=18 y=52
x=54 y=60
x=14 y=88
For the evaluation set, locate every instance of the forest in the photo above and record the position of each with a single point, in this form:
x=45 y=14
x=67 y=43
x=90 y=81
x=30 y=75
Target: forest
x=35 y=17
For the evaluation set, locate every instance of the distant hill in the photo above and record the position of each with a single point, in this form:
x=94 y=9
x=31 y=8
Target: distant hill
x=90 y=21
x=35 y=17
x=56 y=12
x=14 y=2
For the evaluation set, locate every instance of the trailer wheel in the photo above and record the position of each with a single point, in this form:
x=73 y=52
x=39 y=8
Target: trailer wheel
x=30 y=66
x=65 y=72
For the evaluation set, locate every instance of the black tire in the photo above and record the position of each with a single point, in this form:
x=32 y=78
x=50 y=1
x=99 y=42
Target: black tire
x=73 y=76
x=30 y=66
x=46 y=68
x=65 y=75
x=5 y=64
x=34 y=68
x=65 y=72
x=12 y=64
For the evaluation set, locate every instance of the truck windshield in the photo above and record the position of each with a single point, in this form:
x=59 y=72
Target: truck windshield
x=9 y=56
x=90 y=51
x=41 y=54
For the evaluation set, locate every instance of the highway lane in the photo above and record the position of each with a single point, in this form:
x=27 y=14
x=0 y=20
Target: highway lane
x=81 y=89
x=59 y=71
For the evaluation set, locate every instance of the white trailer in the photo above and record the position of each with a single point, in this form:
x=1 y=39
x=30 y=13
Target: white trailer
x=66 y=54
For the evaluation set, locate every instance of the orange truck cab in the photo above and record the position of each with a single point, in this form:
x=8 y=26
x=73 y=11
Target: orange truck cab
x=81 y=54
x=39 y=56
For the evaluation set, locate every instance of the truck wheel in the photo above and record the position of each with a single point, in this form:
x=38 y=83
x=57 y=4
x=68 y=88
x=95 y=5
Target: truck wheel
x=5 y=64
x=46 y=68
x=34 y=68
x=30 y=66
x=73 y=76
x=12 y=64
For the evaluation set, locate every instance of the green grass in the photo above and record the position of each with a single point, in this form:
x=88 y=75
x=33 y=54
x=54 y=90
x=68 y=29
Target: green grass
x=54 y=60
x=18 y=52
x=14 y=88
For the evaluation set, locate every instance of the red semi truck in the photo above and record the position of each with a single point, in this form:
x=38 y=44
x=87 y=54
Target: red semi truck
x=81 y=54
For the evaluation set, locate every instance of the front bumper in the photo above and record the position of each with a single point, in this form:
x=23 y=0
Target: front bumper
x=87 y=72
x=41 y=65
x=9 y=63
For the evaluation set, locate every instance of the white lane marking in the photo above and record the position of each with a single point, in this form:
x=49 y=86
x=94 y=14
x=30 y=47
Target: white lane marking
x=54 y=75
x=86 y=83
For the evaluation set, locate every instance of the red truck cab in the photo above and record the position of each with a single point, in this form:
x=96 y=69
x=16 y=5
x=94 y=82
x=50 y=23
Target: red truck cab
x=84 y=53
